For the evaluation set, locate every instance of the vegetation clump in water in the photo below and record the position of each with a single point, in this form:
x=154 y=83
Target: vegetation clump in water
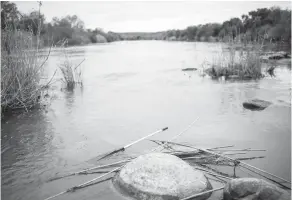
x=237 y=64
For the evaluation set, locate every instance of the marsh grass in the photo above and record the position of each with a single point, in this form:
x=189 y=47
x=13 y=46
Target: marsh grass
x=71 y=74
x=21 y=70
x=239 y=60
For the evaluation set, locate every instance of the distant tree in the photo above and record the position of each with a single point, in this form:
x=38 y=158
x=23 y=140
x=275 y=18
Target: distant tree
x=9 y=15
x=32 y=22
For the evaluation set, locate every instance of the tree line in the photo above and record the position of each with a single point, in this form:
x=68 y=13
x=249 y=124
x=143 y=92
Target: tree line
x=271 y=24
x=69 y=27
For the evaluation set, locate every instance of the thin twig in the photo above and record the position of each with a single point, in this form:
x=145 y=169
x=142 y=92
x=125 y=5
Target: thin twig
x=89 y=169
x=79 y=64
x=47 y=57
x=50 y=80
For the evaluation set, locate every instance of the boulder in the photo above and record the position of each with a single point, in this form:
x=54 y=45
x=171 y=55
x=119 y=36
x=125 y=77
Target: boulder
x=189 y=69
x=253 y=189
x=159 y=176
x=256 y=104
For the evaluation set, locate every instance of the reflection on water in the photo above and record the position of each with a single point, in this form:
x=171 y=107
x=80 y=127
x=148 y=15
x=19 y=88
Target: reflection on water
x=132 y=89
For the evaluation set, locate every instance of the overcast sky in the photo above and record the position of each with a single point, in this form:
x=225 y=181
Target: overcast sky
x=147 y=16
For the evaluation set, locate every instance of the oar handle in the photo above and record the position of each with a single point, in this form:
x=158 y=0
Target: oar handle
x=143 y=138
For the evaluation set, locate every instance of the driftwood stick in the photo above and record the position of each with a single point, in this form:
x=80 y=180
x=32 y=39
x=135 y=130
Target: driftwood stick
x=89 y=169
x=248 y=149
x=202 y=193
x=239 y=162
x=220 y=147
x=211 y=173
x=202 y=157
x=88 y=183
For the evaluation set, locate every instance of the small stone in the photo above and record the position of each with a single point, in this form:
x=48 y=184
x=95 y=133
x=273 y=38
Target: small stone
x=159 y=176
x=233 y=77
x=256 y=104
x=275 y=55
x=253 y=189
x=189 y=69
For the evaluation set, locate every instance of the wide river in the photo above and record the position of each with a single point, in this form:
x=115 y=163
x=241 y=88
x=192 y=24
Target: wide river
x=131 y=89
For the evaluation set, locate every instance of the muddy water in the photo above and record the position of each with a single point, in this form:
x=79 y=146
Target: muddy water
x=131 y=89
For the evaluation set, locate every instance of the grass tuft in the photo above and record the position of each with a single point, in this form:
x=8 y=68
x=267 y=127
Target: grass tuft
x=72 y=75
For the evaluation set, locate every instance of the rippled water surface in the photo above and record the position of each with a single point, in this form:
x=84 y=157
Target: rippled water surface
x=132 y=89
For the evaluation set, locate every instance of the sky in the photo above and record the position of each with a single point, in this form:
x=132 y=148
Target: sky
x=147 y=16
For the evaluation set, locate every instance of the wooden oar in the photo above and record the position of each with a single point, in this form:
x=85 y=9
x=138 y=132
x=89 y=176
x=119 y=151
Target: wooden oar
x=132 y=143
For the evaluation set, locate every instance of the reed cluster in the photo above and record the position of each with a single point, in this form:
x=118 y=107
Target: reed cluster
x=21 y=70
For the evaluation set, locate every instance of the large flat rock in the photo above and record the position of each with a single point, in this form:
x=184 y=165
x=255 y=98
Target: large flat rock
x=159 y=176
x=253 y=189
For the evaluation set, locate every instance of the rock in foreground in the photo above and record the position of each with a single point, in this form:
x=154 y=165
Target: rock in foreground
x=256 y=104
x=159 y=176
x=253 y=189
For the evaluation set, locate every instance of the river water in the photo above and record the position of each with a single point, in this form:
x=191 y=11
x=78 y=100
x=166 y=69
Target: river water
x=131 y=89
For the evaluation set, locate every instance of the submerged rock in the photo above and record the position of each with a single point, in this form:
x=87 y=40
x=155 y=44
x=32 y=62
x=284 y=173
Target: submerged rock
x=256 y=104
x=189 y=69
x=275 y=55
x=237 y=77
x=159 y=176
x=253 y=189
